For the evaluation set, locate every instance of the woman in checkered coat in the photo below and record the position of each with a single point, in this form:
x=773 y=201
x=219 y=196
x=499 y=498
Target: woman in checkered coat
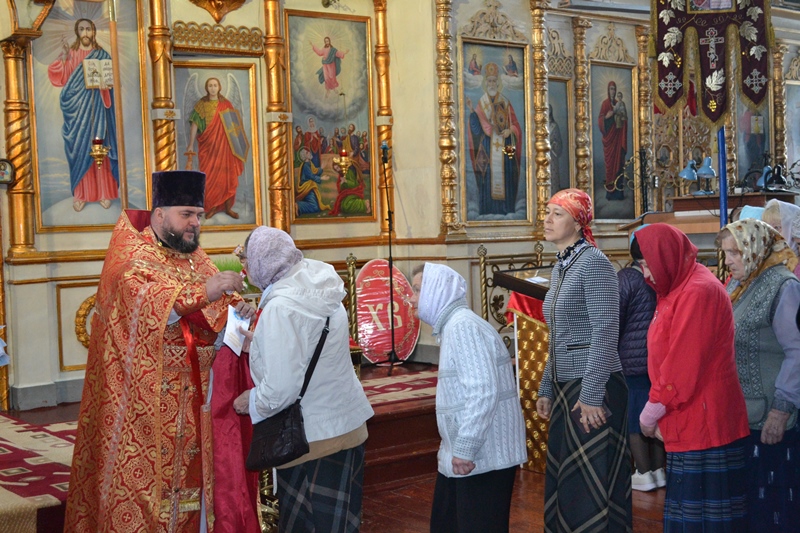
x=583 y=392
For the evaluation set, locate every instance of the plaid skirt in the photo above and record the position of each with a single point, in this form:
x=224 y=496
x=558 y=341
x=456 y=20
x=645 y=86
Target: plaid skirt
x=322 y=495
x=588 y=480
x=706 y=490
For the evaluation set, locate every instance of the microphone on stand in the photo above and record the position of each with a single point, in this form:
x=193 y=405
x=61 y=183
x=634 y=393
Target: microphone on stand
x=392 y=356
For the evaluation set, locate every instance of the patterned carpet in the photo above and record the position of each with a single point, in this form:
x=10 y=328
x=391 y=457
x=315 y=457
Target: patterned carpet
x=34 y=472
x=399 y=388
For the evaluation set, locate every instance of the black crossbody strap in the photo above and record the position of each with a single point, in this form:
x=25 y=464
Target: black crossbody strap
x=315 y=357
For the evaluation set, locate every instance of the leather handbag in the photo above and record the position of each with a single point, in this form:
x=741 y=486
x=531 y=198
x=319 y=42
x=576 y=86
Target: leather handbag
x=281 y=438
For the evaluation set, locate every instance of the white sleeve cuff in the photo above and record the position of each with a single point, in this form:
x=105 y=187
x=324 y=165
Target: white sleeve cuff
x=254 y=416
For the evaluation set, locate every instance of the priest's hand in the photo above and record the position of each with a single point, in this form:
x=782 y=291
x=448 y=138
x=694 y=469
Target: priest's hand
x=543 y=407
x=245 y=310
x=223 y=282
x=462 y=467
x=774 y=427
x=242 y=404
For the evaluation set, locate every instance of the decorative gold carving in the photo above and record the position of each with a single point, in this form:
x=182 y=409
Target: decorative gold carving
x=540 y=115
x=217 y=39
x=451 y=221
x=666 y=134
x=16 y=114
x=559 y=63
x=81 y=317
x=696 y=135
x=582 y=152
x=492 y=23
x=277 y=154
x=793 y=72
x=611 y=48
x=384 y=110
x=779 y=99
x=218 y=8
x=160 y=46
x=731 y=121
x=645 y=108
x=533 y=341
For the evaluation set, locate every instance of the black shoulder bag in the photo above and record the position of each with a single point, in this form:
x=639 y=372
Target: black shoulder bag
x=281 y=438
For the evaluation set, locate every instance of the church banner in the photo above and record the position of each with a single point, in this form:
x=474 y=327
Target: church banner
x=710 y=19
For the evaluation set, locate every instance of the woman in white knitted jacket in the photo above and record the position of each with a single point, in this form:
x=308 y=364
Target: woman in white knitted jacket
x=477 y=409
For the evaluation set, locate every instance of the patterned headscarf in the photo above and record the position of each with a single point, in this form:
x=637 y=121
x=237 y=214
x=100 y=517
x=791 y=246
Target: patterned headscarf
x=579 y=205
x=270 y=254
x=761 y=247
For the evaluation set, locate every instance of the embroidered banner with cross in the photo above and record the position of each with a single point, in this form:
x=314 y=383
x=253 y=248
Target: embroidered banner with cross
x=710 y=20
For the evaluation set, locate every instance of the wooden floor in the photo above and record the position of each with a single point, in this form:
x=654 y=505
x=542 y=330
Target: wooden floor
x=407 y=509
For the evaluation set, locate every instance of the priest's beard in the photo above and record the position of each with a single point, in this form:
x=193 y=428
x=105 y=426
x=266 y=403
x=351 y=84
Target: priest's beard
x=174 y=239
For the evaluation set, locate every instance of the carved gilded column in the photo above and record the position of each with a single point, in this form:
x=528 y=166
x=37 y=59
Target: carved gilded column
x=645 y=106
x=451 y=219
x=779 y=98
x=582 y=152
x=731 y=147
x=384 y=121
x=277 y=150
x=160 y=46
x=16 y=118
x=18 y=148
x=540 y=118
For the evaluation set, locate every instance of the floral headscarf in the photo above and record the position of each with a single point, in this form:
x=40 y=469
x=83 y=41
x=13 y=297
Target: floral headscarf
x=761 y=247
x=579 y=205
x=271 y=253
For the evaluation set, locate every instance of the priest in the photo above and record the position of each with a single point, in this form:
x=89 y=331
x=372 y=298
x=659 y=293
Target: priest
x=142 y=459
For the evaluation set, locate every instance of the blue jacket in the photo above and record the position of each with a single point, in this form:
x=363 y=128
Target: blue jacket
x=637 y=303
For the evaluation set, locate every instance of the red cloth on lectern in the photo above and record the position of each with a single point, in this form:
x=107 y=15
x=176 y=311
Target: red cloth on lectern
x=526 y=305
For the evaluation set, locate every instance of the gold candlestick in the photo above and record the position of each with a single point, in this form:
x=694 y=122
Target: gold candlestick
x=99 y=151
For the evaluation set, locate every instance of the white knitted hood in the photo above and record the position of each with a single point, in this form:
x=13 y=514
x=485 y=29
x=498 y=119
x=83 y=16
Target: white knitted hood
x=441 y=286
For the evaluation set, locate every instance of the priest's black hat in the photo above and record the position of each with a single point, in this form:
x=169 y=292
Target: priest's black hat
x=179 y=187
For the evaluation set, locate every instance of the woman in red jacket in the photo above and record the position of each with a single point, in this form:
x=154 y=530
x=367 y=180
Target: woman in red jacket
x=696 y=404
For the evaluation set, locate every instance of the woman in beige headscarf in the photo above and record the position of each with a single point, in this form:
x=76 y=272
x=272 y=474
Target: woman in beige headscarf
x=766 y=296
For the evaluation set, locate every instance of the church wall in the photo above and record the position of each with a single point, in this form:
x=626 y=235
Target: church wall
x=45 y=290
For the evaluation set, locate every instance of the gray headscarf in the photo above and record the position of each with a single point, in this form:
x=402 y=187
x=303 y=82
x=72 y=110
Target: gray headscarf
x=271 y=253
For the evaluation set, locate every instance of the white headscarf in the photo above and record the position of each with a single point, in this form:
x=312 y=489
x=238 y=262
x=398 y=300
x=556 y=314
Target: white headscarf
x=788 y=212
x=441 y=286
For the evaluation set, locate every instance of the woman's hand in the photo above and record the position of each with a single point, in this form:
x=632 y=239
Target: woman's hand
x=543 y=407
x=591 y=416
x=462 y=467
x=241 y=405
x=649 y=431
x=248 y=339
x=774 y=427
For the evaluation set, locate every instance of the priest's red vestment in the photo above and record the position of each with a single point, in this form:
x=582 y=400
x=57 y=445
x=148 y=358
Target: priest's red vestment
x=143 y=459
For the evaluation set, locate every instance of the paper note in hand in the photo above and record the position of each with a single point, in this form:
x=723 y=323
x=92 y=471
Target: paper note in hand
x=233 y=337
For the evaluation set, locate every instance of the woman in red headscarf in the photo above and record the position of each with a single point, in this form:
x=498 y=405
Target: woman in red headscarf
x=583 y=392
